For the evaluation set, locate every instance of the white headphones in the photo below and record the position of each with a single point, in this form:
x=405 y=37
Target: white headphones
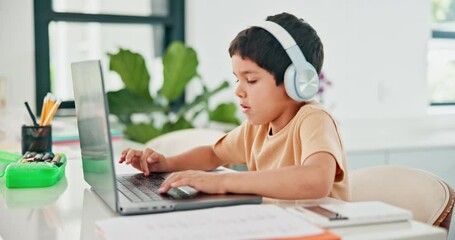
x=301 y=80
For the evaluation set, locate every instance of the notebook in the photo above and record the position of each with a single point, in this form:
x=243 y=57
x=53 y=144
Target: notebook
x=125 y=194
x=352 y=213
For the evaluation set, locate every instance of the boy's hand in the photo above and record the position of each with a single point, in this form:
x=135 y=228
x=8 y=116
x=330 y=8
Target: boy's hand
x=146 y=161
x=212 y=183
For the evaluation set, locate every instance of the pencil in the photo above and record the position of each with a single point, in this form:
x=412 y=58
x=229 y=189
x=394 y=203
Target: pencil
x=49 y=105
x=43 y=109
x=51 y=113
x=31 y=114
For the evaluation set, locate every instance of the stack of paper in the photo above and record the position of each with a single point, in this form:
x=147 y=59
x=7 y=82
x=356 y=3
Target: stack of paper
x=236 y=222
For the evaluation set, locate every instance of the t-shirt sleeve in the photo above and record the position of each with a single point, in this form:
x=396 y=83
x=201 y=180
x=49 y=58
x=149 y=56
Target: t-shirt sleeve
x=319 y=133
x=231 y=147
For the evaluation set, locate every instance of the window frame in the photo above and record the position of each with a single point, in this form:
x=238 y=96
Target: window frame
x=174 y=30
x=438 y=34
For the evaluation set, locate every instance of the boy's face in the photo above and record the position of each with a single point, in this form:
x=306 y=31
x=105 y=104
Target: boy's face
x=260 y=99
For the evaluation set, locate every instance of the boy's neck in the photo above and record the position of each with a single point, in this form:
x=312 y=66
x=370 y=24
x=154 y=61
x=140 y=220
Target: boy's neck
x=285 y=118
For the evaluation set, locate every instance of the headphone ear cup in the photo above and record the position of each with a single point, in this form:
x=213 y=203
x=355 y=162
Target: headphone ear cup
x=301 y=86
x=289 y=80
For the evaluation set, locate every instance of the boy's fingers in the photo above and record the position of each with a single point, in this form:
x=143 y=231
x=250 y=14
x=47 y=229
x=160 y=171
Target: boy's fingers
x=125 y=151
x=163 y=189
x=143 y=161
x=181 y=182
x=123 y=155
x=132 y=154
x=171 y=178
x=153 y=158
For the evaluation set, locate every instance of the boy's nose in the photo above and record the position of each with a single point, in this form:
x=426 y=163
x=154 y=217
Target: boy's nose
x=239 y=92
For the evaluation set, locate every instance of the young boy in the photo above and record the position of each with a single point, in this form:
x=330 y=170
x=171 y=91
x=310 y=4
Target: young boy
x=292 y=149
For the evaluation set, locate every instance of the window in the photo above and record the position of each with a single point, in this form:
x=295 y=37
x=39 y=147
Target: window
x=441 y=54
x=76 y=30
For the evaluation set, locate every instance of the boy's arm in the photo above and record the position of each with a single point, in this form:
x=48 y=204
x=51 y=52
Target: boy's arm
x=147 y=160
x=199 y=158
x=314 y=179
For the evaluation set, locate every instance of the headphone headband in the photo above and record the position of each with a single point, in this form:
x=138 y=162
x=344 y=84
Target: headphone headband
x=286 y=41
x=279 y=33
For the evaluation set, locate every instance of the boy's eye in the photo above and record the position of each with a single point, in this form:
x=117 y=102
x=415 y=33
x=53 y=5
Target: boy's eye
x=251 y=81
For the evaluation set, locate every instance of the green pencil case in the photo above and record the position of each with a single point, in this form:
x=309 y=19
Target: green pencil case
x=30 y=174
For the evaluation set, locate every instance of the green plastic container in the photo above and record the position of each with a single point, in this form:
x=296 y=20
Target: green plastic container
x=29 y=174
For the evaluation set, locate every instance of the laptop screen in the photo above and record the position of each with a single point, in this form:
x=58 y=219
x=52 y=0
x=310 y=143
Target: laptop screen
x=92 y=120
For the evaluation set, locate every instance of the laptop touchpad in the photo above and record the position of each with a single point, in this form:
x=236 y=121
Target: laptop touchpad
x=182 y=192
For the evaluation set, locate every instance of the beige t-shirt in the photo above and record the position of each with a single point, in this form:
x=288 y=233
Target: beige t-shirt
x=311 y=130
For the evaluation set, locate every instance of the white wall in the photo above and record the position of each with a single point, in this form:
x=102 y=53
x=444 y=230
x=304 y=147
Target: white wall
x=375 y=50
x=17 y=61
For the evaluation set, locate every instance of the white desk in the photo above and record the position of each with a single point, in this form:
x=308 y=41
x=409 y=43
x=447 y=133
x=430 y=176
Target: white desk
x=69 y=209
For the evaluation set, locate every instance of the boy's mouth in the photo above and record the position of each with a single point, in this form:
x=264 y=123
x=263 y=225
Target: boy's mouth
x=244 y=107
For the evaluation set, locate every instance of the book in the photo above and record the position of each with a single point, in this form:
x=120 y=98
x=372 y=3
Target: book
x=351 y=213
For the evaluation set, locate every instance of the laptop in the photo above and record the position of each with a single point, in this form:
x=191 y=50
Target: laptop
x=132 y=193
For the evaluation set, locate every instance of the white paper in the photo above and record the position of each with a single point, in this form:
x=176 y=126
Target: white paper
x=236 y=222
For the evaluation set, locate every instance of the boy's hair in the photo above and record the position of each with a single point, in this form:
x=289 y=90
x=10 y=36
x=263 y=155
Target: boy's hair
x=262 y=47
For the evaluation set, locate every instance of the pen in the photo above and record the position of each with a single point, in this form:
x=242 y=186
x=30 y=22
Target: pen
x=31 y=114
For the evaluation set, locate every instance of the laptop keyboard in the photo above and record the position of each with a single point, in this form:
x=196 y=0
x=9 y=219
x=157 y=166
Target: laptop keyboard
x=139 y=188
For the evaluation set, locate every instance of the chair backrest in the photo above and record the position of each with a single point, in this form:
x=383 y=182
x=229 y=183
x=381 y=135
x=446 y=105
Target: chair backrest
x=182 y=140
x=427 y=196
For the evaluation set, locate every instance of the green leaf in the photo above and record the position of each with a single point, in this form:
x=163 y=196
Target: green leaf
x=181 y=123
x=133 y=71
x=179 y=67
x=141 y=132
x=226 y=113
x=202 y=98
x=126 y=102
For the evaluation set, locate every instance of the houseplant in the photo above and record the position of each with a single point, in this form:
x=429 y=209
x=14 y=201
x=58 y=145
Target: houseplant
x=166 y=110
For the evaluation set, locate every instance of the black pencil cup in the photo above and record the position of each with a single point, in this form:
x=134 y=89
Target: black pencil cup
x=36 y=139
